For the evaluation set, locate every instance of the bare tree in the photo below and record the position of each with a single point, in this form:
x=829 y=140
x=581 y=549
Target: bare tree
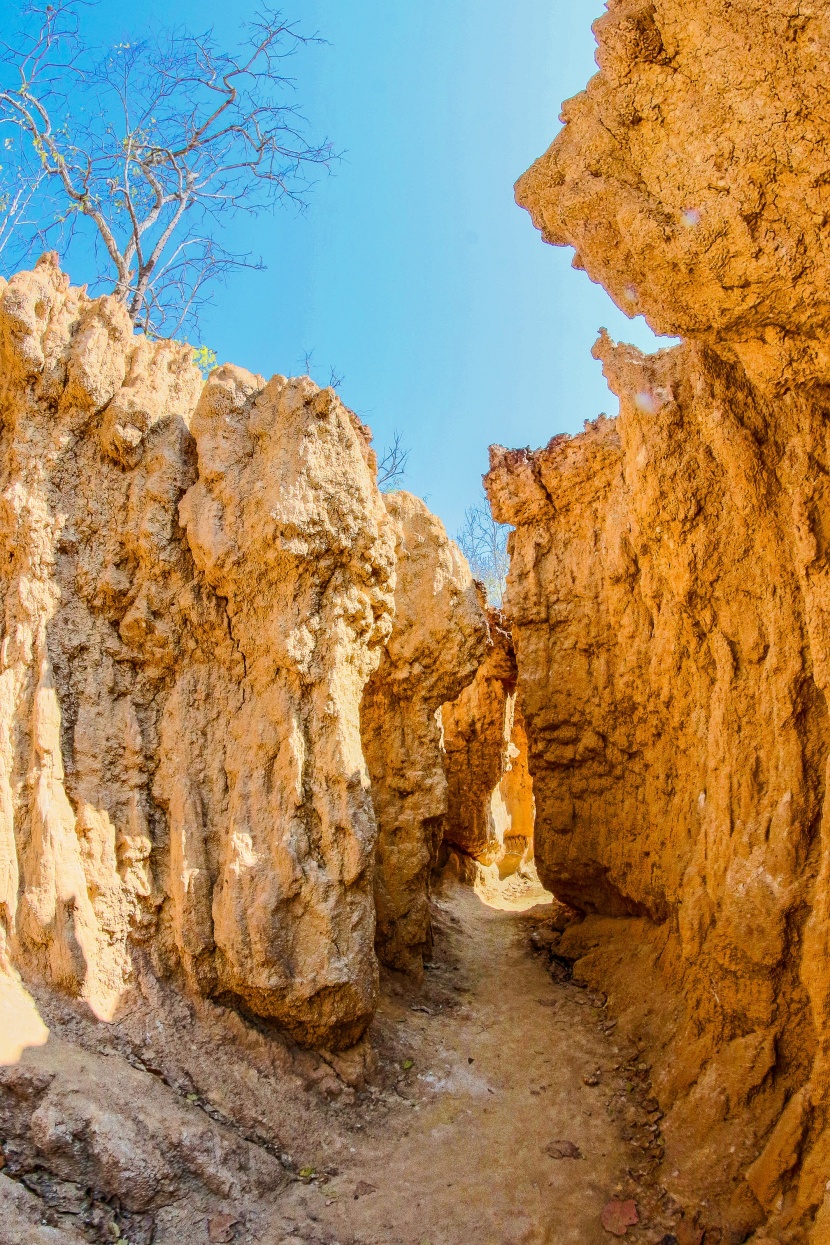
x=392 y=465
x=17 y=193
x=146 y=147
x=483 y=542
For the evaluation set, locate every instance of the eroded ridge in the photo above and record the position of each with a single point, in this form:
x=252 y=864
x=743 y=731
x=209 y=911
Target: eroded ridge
x=199 y=580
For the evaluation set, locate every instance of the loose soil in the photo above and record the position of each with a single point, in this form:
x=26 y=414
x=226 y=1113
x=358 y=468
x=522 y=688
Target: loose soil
x=494 y=1106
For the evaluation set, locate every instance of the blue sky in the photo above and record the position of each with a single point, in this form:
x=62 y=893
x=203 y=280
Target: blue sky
x=412 y=273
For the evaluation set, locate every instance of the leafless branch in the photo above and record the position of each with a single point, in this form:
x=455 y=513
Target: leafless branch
x=146 y=148
x=483 y=542
x=392 y=465
x=17 y=194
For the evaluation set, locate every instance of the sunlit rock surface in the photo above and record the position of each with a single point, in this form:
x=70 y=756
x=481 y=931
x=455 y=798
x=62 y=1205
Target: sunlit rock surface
x=692 y=177
x=197 y=584
x=491 y=810
x=439 y=639
x=669 y=594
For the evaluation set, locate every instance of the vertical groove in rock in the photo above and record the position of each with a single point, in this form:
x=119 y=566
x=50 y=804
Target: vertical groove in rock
x=491 y=809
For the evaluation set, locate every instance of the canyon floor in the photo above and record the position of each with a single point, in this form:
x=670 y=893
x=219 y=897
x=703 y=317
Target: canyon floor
x=492 y=1104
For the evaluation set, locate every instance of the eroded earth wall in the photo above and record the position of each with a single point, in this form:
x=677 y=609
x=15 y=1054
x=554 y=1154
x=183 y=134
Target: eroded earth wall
x=490 y=796
x=439 y=638
x=197 y=583
x=669 y=592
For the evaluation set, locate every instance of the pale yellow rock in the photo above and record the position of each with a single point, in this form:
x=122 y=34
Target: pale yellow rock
x=197 y=583
x=20 y=1023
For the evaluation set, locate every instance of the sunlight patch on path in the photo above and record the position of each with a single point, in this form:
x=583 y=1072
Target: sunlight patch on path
x=20 y=1023
x=516 y=893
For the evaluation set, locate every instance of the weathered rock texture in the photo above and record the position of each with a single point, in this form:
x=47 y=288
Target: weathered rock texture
x=197 y=583
x=693 y=177
x=670 y=592
x=439 y=639
x=490 y=803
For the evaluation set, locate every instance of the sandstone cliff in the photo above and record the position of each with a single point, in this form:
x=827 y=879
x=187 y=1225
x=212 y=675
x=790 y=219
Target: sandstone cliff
x=197 y=585
x=692 y=177
x=669 y=593
x=439 y=639
x=490 y=810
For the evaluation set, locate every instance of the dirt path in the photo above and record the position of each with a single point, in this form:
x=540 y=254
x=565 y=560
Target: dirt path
x=500 y=1056
x=497 y=1109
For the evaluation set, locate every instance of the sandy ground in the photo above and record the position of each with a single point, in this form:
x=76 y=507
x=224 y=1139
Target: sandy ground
x=493 y=1083
x=497 y=1109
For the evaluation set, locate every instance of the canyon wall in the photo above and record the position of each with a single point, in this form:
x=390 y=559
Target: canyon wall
x=440 y=637
x=198 y=583
x=490 y=803
x=669 y=593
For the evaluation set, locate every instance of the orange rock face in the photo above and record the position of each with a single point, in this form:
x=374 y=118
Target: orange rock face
x=669 y=594
x=439 y=639
x=692 y=177
x=490 y=809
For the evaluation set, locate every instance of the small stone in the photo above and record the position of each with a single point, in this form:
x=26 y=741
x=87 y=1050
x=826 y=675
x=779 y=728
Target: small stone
x=617 y=1217
x=563 y=1150
x=687 y=1234
x=221 y=1228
